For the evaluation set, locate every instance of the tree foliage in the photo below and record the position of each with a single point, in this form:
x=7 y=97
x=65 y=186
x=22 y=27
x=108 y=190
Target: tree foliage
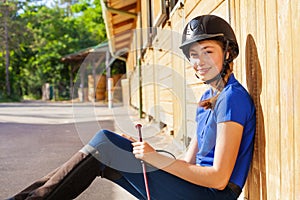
x=40 y=36
x=10 y=38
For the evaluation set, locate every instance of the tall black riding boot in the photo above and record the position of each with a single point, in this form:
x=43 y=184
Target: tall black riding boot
x=77 y=180
x=66 y=182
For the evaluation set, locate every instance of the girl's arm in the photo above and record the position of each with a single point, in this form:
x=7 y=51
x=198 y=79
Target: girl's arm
x=226 y=150
x=190 y=156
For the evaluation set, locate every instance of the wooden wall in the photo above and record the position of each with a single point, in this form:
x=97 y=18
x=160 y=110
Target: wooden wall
x=268 y=65
x=268 y=29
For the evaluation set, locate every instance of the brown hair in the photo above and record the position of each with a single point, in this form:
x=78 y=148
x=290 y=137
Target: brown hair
x=211 y=102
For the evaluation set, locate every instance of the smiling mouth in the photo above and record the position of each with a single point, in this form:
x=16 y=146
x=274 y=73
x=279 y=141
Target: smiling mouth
x=202 y=71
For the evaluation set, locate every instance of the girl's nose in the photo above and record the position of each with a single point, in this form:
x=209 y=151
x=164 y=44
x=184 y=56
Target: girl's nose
x=199 y=60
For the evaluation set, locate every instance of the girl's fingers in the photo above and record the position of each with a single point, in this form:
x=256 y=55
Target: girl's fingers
x=138 y=149
x=135 y=144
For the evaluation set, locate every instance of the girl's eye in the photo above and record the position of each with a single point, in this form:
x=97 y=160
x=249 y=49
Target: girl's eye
x=207 y=52
x=193 y=55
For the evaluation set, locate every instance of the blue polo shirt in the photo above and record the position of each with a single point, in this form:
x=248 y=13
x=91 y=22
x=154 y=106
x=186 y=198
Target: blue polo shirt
x=233 y=104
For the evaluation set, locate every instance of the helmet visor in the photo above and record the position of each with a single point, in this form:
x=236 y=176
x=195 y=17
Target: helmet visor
x=192 y=39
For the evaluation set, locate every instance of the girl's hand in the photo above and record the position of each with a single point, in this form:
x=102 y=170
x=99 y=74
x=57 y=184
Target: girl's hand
x=142 y=150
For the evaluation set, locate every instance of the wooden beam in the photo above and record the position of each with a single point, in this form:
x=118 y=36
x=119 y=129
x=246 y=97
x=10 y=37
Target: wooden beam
x=123 y=23
x=129 y=7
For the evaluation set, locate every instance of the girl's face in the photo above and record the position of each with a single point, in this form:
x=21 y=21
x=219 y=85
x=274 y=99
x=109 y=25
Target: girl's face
x=207 y=59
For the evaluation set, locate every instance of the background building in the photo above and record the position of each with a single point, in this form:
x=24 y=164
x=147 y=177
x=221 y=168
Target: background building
x=163 y=87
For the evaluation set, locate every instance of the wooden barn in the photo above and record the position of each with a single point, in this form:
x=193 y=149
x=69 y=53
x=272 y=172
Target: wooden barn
x=162 y=85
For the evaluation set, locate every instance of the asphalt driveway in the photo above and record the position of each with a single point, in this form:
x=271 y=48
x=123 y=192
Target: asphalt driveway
x=37 y=137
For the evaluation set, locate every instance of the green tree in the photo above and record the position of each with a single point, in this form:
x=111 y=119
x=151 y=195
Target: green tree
x=90 y=16
x=49 y=33
x=11 y=35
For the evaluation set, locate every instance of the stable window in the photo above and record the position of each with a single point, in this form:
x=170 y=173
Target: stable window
x=170 y=5
x=158 y=13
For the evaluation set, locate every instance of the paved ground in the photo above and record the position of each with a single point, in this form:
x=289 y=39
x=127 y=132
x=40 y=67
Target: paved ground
x=37 y=137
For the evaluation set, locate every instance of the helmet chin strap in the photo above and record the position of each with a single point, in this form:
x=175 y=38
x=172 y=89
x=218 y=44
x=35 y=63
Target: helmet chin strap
x=211 y=80
x=224 y=69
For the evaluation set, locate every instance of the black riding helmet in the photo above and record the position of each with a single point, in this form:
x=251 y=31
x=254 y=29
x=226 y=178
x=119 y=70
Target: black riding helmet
x=207 y=27
x=211 y=27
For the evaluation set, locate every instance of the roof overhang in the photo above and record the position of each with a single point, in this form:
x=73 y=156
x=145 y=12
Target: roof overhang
x=120 y=17
x=79 y=56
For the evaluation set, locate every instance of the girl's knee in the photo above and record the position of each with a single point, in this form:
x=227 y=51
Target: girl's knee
x=106 y=136
x=99 y=138
x=114 y=150
x=103 y=133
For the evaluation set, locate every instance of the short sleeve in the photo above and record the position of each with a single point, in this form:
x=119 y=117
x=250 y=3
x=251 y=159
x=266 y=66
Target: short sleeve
x=233 y=105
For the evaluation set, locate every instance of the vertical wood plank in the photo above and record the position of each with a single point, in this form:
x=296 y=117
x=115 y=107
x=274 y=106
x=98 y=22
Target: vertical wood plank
x=236 y=21
x=255 y=70
x=261 y=67
x=254 y=77
x=148 y=84
x=165 y=76
x=236 y=25
x=286 y=99
x=295 y=6
x=255 y=46
x=272 y=111
x=178 y=63
x=243 y=33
